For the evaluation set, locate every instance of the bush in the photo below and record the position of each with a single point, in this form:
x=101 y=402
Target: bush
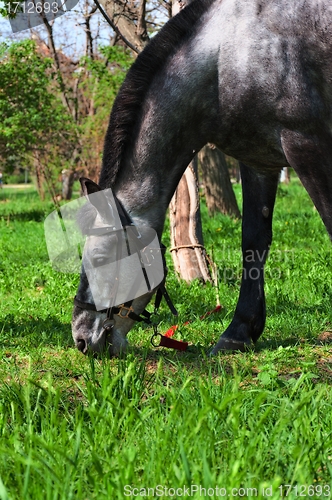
x=15 y=179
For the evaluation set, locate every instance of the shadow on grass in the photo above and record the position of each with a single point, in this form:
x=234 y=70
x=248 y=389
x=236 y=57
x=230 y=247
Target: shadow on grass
x=197 y=363
x=201 y=354
x=273 y=344
x=23 y=206
x=34 y=332
x=36 y=215
x=286 y=304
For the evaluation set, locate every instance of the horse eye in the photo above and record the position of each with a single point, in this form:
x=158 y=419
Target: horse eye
x=99 y=261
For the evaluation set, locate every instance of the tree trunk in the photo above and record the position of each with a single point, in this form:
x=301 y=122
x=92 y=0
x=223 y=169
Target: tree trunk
x=39 y=176
x=187 y=247
x=285 y=175
x=188 y=252
x=67 y=177
x=219 y=194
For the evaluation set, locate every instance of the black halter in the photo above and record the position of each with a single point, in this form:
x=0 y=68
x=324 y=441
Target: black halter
x=125 y=310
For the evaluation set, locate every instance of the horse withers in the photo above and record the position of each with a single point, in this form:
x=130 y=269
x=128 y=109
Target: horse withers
x=254 y=77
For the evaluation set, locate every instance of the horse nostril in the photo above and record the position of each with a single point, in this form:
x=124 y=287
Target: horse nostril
x=81 y=345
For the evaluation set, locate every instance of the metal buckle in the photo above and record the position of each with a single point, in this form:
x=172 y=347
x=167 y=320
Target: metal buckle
x=156 y=334
x=108 y=324
x=128 y=309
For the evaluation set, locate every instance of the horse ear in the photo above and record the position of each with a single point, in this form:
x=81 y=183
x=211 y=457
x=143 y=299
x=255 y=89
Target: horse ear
x=88 y=186
x=99 y=202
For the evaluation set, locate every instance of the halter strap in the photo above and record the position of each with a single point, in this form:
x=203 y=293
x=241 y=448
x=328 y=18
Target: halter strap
x=118 y=310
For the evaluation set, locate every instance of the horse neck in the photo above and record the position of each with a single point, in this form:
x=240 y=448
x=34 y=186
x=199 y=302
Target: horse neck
x=174 y=124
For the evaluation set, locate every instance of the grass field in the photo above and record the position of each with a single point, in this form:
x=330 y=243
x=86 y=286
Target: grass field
x=182 y=425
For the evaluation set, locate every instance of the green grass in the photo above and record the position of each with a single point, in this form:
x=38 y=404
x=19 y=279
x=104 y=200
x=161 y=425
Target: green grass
x=73 y=427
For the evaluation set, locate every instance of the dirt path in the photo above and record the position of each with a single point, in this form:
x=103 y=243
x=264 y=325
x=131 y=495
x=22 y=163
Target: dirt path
x=18 y=186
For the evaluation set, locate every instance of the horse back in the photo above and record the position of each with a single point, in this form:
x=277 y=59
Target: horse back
x=274 y=70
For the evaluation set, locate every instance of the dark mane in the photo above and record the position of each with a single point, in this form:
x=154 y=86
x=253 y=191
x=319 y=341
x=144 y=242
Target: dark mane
x=128 y=102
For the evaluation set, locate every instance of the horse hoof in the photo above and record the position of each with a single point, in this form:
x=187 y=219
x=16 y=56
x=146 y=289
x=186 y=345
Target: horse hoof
x=230 y=345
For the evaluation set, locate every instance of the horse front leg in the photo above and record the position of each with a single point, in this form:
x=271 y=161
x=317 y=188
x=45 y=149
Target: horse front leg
x=259 y=192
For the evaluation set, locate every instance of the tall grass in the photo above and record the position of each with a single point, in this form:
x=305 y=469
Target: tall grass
x=240 y=425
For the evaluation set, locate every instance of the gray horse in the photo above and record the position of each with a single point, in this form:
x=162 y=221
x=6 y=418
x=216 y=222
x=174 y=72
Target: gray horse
x=253 y=77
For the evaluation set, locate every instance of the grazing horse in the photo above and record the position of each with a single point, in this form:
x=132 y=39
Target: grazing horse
x=253 y=77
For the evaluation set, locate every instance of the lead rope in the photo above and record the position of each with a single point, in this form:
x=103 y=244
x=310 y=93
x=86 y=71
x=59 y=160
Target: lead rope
x=165 y=341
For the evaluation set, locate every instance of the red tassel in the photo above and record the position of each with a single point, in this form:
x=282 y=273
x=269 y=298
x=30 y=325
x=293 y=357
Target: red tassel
x=172 y=343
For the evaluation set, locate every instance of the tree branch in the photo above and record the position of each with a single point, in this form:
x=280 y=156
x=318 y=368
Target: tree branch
x=89 y=39
x=141 y=22
x=116 y=29
x=54 y=53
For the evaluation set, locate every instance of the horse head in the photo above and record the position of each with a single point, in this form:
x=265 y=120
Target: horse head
x=121 y=269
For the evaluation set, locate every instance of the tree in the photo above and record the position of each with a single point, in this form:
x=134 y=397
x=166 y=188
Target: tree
x=34 y=124
x=88 y=90
x=187 y=246
x=82 y=88
x=188 y=251
x=219 y=194
x=100 y=86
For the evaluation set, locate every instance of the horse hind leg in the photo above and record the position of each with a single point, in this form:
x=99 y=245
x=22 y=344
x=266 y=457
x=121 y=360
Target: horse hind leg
x=259 y=192
x=311 y=158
